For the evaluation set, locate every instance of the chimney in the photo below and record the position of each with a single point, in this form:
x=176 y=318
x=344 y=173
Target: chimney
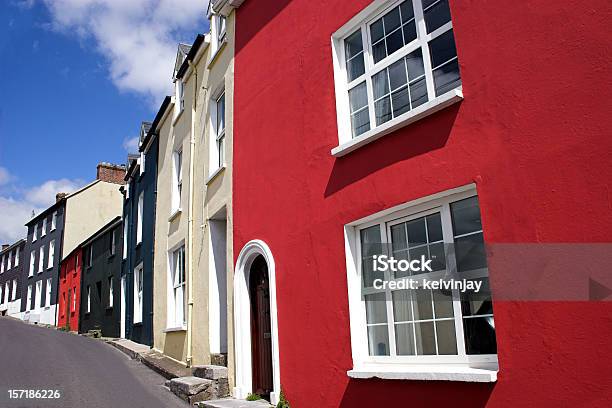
x=111 y=173
x=60 y=196
x=4 y=246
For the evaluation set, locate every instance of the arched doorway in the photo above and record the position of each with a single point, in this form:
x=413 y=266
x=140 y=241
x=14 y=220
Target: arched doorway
x=255 y=323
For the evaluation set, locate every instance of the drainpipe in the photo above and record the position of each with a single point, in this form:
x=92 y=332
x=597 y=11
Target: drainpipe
x=190 y=221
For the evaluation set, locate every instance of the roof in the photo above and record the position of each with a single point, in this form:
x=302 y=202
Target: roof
x=190 y=56
x=12 y=246
x=224 y=7
x=144 y=129
x=51 y=208
x=153 y=128
x=132 y=162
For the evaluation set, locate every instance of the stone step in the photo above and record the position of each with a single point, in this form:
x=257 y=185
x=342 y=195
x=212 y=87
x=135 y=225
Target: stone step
x=233 y=403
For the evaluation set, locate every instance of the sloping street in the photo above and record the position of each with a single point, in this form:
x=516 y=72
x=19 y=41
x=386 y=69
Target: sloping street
x=86 y=372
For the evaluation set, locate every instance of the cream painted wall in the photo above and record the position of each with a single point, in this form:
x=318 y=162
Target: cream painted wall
x=88 y=210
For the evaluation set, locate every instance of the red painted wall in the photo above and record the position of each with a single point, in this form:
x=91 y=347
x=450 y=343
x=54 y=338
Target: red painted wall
x=532 y=133
x=70 y=280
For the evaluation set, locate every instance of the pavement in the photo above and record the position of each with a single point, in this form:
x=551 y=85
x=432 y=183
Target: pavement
x=87 y=372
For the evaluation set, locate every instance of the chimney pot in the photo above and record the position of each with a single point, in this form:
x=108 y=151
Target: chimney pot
x=4 y=246
x=60 y=196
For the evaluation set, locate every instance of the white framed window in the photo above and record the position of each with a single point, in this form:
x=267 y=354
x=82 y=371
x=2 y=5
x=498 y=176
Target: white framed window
x=113 y=242
x=180 y=96
x=411 y=332
x=89 y=256
x=9 y=266
x=6 y=292
x=176 y=279
x=48 y=293
x=44 y=227
x=32 y=260
x=394 y=63
x=138 y=294
x=218 y=32
x=142 y=163
x=2 y=264
x=177 y=180
x=35 y=233
x=38 y=294
x=140 y=216
x=217 y=159
x=16 y=257
x=41 y=259
x=54 y=220
x=29 y=299
x=127 y=190
x=74 y=297
x=126 y=223
x=110 y=291
x=88 y=305
x=51 y=254
x=14 y=289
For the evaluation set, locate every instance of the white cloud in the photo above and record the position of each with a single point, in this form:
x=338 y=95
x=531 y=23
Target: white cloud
x=16 y=210
x=5 y=176
x=138 y=38
x=131 y=145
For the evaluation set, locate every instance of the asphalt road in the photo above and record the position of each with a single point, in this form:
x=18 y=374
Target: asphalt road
x=86 y=372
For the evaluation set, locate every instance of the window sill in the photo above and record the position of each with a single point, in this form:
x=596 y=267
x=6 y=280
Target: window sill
x=175 y=329
x=137 y=324
x=177 y=117
x=425 y=373
x=174 y=215
x=407 y=118
x=215 y=174
x=217 y=53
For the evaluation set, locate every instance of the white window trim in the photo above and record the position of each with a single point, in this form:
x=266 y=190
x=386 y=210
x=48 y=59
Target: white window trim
x=110 y=292
x=16 y=257
x=49 y=282
x=32 y=263
x=2 y=264
x=140 y=218
x=35 y=233
x=41 y=260
x=138 y=303
x=51 y=257
x=44 y=227
x=88 y=306
x=142 y=163
x=10 y=260
x=218 y=157
x=177 y=180
x=54 y=221
x=362 y=20
x=172 y=323
x=179 y=106
x=38 y=294
x=452 y=368
x=29 y=299
x=125 y=235
x=14 y=289
x=218 y=37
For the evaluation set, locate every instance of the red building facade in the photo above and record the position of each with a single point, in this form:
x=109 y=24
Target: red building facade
x=497 y=133
x=69 y=298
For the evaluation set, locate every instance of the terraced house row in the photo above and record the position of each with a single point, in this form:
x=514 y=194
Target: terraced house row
x=301 y=139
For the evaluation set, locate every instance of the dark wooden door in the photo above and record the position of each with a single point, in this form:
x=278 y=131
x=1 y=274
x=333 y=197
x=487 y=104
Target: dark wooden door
x=261 y=334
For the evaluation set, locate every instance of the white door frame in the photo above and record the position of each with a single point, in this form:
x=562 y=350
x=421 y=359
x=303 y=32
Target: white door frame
x=122 y=314
x=242 y=320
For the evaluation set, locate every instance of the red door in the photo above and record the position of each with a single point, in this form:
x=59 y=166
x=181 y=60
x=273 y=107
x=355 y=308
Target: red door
x=261 y=334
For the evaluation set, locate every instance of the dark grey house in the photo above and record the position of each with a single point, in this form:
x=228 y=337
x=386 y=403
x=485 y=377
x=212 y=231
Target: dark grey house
x=139 y=207
x=12 y=259
x=100 y=307
x=42 y=253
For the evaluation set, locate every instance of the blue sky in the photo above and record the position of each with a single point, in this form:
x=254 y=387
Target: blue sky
x=77 y=77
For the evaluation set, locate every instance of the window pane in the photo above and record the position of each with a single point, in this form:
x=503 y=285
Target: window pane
x=394 y=42
x=476 y=304
x=358 y=97
x=360 y=122
x=442 y=48
x=398 y=237
x=401 y=101
x=416 y=232
x=437 y=256
x=376 y=30
x=443 y=304
x=378 y=340
x=397 y=74
x=417 y=253
x=392 y=20
x=422 y=306
x=355 y=67
x=434 y=227
x=425 y=338
x=447 y=77
x=353 y=45
x=221 y=114
x=410 y=33
x=418 y=93
x=415 y=64
x=370 y=241
x=447 y=341
x=407 y=10
x=479 y=333
x=402 y=307
x=470 y=252
x=368 y=274
x=379 y=51
x=380 y=84
x=399 y=255
x=376 y=308
x=404 y=339
x=382 y=108
x=466 y=216
x=437 y=15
